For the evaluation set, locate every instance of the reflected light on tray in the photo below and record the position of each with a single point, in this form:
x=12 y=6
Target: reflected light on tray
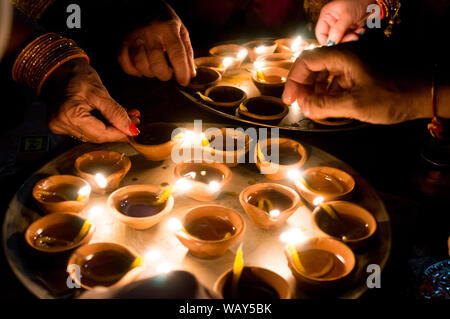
x=95 y=211
x=153 y=255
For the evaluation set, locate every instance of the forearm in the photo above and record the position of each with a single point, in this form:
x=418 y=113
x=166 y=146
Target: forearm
x=22 y=30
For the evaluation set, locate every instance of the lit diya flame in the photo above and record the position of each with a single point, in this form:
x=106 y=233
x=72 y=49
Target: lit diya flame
x=242 y=54
x=214 y=186
x=181 y=185
x=227 y=62
x=101 y=181
x=238 y=267
x=260 y=49
x=258 y=65
x=153 y=255
x=266 y=205
x=189 y=137
x=95 y=211
x=83 y=192
x=296 y=44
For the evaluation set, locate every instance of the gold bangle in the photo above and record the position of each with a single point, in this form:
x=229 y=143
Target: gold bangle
x=39 y=59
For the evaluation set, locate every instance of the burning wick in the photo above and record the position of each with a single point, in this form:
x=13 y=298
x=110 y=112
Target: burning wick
x=296 y=45
x=238 y=266
x=274 y=213
x=83 y=192
x=153 y=255
x=260 y=49
x=164 y=268
x=101 y=180
x=95 y=211
x=259 y=74
x=242 y=54
x=181 y=185
x=214 y=186
x=291 y=238
x=227 y=62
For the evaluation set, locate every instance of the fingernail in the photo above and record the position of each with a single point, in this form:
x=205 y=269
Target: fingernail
x=362 y=32
x=134 y=130
x=354 y=40
x=330 y=43
x=287 y=99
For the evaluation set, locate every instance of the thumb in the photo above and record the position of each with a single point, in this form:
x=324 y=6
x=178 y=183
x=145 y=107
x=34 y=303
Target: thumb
x=116 y=115
x=338 y=30
x=324 y=106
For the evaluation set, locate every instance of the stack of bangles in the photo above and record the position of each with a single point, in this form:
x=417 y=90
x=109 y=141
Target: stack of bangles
x=42 y=57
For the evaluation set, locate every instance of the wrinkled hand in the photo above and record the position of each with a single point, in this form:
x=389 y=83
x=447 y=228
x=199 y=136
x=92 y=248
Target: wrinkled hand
x=356 y=92
x=74 y=90
x=341 y=21
x=143 y=51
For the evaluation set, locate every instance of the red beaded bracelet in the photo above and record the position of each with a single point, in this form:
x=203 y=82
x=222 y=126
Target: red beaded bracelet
x=383 y=9
x=436 y=127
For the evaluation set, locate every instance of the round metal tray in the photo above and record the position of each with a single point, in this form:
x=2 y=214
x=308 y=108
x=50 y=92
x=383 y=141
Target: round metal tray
x=45 y=276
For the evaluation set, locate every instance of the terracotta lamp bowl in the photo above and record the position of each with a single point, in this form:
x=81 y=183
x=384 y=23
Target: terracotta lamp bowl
x=155 y=141
x=275 y=59
x=292 y=155
x=215 y=63
x=202 y=191
x=133 y=206
x=331 y=183
x=288 y=202
x=209 y=230
x=333 y=121
x=112 y=165
x=285 y=45
x=59 y=232
x=264 y=109
x=225 y=98
x=272 y=83
x=269 y=285
x=259 y=47
x=314 y=254
x=204 y=79
x=230 y=50
x=227 y=146
x=106 y=265
x=357 y=221
x=60 y=193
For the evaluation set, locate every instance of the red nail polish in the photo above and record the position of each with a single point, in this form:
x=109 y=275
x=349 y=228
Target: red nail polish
x=134 y=130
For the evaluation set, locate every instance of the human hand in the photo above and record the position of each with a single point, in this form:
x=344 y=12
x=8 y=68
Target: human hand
x=143 y=51
x=357 y=91
x=74 y=90
x=341 y=21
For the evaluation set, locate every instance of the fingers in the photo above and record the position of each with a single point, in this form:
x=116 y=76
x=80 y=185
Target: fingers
x=140 y=60
x=323 y=27
x=158 y=64
x=318 y=106
x=96 y=131
x=178 y=57
x=188 y=47
x=125 y=62
x=339 y=29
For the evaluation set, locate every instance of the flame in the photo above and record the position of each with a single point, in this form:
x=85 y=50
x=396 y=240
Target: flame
x=296 y=45
x=238 y=267
x=260 y=49
x=227 y=62
x=101 y=180
x=274 y=213
x=318 y=200
x=242 y=54
x=83 y=192
x=175 y=224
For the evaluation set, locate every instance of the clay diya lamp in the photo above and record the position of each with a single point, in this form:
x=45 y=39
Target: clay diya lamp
x=104 y=170
x=319 y=263
x=227 y=146
x=269 y=205
x=62 y=193
x=140 y=206
x=208 y=231
x=275 y=59
x=106 y=265
x=255 y=283
x=206 y=179
x=270 y=80
x=264 y=109
x=295 y=45
x=59 y=232
x=259 y=47
x=225 y=98
x=291 y=156
x=155 y=142
x=333 y=121
x=351 y=224
x=328 y=182
x=205 y=78
x=217 y=63
x=235 y=51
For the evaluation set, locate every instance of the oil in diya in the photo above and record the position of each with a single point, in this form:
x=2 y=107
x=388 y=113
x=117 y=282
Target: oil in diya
x=320 y=263
x=324 y=183
x=105 y=268
x=61 y=235
x=346 y=227
x=211 y=228
x=288 y=154
x=155 y=133
x=226 y=143
x=106 y=166
x=203 y=173
x=270 y=200
x=141 y=204
x=250 y=286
